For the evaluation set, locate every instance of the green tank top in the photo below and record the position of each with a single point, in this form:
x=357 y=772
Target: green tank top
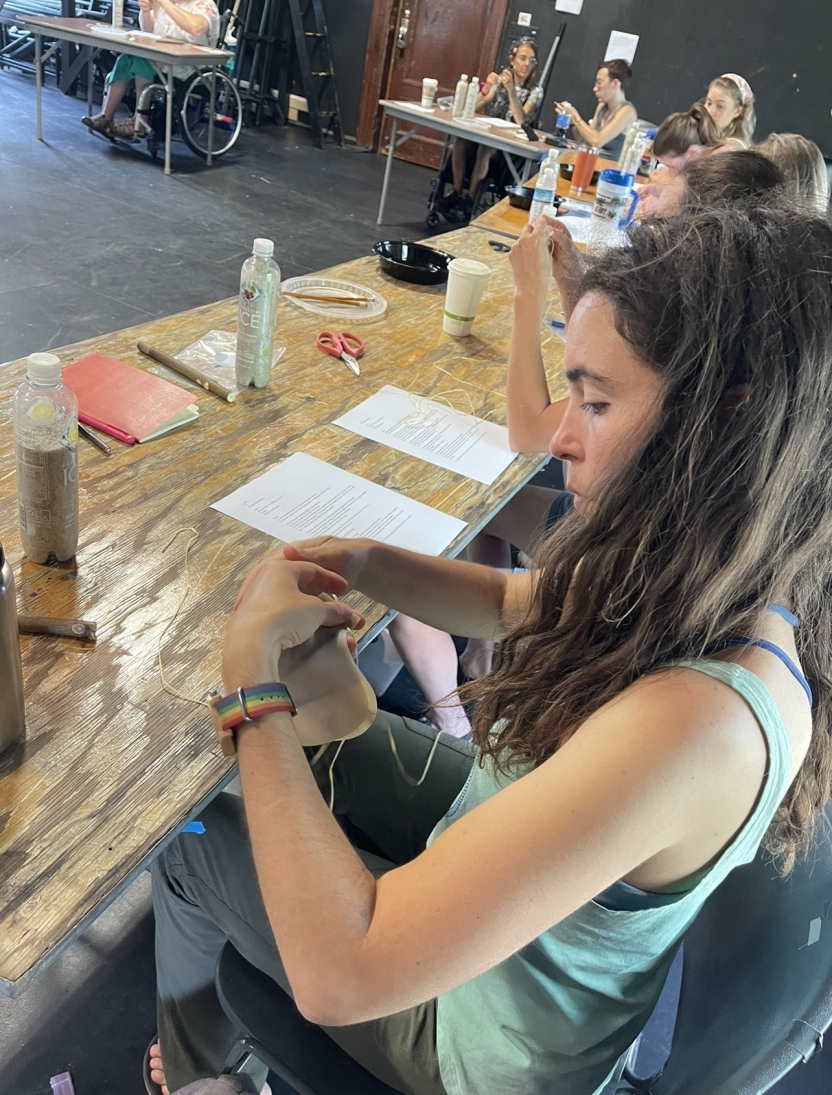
x=556 y=1016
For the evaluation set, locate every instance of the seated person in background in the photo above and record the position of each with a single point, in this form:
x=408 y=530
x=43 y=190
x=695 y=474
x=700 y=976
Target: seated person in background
x=727 y=176
x=614 y=114
x=515 y=926
x=730 y=102
x=803 y=165
x=511 y=94
x=683 y=137
x=195 y=21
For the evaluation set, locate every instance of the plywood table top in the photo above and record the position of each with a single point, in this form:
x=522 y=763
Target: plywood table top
x=112 y=764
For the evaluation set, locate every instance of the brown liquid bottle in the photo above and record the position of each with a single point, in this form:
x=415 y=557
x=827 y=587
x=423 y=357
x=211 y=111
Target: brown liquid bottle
x=12 y=713
x=46 y=444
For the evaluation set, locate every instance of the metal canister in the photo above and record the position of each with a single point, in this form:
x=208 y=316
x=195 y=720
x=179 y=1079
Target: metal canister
x=12 y=711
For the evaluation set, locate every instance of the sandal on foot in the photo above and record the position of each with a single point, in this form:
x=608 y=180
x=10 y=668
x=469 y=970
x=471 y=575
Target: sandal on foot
x=234 y=1084
x=125 y=129
x=151 y=1086
x=98 y=124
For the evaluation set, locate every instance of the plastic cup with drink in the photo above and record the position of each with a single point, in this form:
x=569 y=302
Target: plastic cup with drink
x=429 y=87
x=615 y=199
x=467 y=280
x=585 y=160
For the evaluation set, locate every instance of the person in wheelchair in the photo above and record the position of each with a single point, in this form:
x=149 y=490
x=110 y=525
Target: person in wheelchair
x=195 y=21
x=510 y=94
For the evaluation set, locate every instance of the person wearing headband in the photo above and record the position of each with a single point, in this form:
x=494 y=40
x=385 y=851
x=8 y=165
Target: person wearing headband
x=730 y=102
x=511 y=95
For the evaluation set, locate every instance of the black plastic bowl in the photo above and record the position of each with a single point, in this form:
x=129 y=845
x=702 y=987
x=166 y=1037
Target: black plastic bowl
x=520 y=196
x=412 y=262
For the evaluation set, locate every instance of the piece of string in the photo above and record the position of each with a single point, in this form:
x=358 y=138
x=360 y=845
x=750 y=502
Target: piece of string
x=166 y=685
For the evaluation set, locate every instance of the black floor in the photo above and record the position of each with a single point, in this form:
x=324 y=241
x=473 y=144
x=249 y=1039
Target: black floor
x=94 y=238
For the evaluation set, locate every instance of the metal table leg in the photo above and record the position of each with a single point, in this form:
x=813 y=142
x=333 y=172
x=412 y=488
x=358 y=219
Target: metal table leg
x=213 y=107
x=40 y=60
x=168 y=117
x=90 y=77
x=38 y=82
x=388 y=168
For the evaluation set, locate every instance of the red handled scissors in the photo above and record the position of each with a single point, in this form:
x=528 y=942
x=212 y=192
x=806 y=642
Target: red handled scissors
x=344 y=345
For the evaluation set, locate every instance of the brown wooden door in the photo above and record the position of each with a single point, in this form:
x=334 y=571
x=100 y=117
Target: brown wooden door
x=444 y=38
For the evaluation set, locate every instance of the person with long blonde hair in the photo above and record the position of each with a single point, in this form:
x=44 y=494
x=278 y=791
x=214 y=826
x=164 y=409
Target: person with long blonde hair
x=803 y=167
x=730 y=102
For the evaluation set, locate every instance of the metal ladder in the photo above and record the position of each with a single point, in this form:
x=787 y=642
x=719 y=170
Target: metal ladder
x=313 y=58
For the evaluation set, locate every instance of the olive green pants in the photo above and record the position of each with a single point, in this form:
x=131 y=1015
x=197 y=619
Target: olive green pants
x=205 y=891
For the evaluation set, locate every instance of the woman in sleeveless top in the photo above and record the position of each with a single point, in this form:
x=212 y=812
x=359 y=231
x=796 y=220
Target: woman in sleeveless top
x=652 y=716
x=614 y=114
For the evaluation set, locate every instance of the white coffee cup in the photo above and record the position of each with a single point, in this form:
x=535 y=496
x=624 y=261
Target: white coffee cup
x=429 y=87
x=467 y=279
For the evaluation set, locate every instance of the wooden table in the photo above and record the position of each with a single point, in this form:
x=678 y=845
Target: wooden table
x=504 y=218
x=112 y=765
x=493 y=136
x=96 y=35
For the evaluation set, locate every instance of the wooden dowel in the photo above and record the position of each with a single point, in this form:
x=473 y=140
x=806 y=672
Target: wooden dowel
x=356 y=302
x=68 y=629
x=206 y=382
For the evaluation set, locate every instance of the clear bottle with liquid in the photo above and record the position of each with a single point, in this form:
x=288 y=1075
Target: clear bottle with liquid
x=460 y=96
x=12 y=711
x=256 y=316
x=544 y=188
x=471 y=98
x=563 y=122
x=45 y=415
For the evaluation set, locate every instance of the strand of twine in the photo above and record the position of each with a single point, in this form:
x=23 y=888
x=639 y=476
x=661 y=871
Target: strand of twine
x=166 y=685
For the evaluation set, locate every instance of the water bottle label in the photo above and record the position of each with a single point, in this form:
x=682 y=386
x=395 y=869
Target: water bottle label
x=564 y=121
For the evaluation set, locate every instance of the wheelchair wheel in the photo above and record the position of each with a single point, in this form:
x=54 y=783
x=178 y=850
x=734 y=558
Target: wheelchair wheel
x=194 y=121
x=431 y=220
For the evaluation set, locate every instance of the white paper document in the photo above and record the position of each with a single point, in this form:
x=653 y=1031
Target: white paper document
x=419 y=427
x=621 y=45
x=572 y=6
x=304 y=497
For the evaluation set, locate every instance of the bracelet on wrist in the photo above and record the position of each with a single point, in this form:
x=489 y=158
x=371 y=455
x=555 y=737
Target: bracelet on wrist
x=246 y=705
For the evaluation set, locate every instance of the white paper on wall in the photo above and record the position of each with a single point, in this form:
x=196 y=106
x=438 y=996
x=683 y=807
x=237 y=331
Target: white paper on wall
x=621 y=45
x=572 y=6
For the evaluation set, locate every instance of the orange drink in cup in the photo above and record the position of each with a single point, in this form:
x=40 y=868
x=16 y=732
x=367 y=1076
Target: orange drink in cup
x=585 y=161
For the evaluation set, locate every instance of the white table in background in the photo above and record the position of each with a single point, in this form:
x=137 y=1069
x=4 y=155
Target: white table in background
x=492 y=136
x=96 y=35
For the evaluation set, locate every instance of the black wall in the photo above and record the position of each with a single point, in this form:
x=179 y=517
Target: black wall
x=782 y=47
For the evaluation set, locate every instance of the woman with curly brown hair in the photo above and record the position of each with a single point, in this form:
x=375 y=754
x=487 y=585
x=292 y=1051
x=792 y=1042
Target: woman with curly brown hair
x=647 y=724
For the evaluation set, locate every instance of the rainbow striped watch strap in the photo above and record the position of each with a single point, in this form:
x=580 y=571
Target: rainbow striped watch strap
x=246 y=705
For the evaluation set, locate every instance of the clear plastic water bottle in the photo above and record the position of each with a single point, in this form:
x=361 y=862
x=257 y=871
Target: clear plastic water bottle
x=471 y=98
x=460 y=96
x=256 y=316
x=544 y=190
x=564 y=121
x=12 y=711
x=46 y=450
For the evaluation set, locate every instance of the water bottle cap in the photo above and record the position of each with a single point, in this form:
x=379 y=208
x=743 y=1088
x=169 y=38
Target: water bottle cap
x=43 y=368
x=264 y=247
x=464 y=76
x=651 y=133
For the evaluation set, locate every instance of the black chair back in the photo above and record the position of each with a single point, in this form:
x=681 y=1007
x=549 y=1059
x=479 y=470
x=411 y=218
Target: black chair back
x=756 y=992
x=273 y=1029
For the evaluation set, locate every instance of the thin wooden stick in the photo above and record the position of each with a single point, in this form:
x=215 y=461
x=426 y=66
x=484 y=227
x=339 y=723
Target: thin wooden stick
x=356 y=302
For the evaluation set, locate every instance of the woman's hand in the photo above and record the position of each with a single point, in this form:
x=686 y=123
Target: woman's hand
x=507 y=79
x=146 y=5
x=339 y=556
x=532 y=266
x=492 y=79
x=565 y=256
x=279 y=607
